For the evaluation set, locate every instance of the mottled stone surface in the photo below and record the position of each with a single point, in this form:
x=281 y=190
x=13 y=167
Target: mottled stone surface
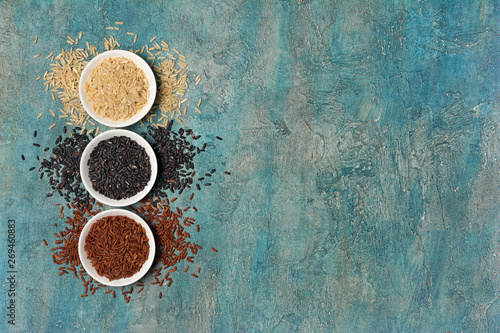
x=363 y=138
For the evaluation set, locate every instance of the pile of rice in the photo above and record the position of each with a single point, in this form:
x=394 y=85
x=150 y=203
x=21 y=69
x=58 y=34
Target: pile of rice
x=117 y=89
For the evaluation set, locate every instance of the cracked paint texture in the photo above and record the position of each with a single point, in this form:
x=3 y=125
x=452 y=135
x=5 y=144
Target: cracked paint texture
x=363 y=139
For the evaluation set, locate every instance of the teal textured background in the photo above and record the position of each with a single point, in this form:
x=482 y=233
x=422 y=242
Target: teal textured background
x=363 y=140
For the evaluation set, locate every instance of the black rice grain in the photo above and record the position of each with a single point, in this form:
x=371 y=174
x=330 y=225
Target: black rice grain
x=119 y=168
x=175 y=158
x=64 y=166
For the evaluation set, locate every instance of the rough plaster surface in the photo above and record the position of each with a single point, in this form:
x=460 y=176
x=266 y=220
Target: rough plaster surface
x=363 y=138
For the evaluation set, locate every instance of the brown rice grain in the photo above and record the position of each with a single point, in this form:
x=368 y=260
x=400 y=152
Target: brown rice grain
x=127 y=82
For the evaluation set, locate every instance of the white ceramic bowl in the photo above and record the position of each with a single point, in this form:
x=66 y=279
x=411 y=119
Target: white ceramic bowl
x=87 y=265
x=141 y=64
x=84 y=168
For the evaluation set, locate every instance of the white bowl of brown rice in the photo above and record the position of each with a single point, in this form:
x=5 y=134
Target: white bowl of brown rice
x=117 y=88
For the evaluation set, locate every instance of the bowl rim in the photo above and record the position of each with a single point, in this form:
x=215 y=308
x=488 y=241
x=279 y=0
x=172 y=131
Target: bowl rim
x=84 y=169
x=141 y=63
x=87 y=265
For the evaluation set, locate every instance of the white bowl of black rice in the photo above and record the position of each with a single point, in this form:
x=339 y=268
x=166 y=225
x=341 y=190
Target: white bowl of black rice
x=118 y=168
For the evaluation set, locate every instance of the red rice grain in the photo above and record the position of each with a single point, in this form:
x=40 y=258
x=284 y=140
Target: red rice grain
x=168 y=225
x=117 y=247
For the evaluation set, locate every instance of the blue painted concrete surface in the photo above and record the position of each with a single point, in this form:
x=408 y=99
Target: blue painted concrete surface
x=363 y=140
